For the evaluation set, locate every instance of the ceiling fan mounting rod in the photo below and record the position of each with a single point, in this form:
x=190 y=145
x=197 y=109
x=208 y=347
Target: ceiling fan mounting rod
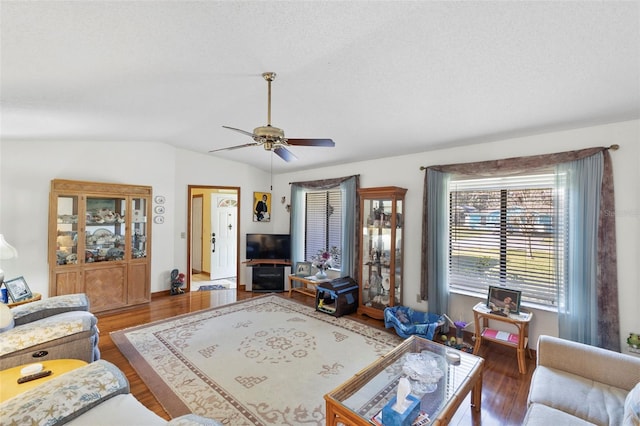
x=269 y=76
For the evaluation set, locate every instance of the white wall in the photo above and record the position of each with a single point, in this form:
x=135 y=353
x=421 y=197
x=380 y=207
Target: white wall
x=26 y=169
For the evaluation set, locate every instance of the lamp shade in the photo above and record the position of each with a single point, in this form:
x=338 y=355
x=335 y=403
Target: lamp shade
x=6 y=250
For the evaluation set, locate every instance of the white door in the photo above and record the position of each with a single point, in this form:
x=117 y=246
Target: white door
x=224 y=212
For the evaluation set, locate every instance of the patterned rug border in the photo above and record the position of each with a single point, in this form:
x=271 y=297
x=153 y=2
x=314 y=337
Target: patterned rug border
x=164 y=394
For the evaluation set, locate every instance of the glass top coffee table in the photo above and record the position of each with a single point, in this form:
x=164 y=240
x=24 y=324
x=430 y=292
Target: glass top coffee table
x=361 y=398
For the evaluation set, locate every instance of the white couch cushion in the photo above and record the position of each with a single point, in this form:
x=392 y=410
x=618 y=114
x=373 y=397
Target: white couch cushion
x=119 y=410
x=541 y=415
x=588 y=400
x=632 y=407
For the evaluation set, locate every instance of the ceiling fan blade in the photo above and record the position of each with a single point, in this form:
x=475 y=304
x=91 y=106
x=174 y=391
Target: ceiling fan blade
x=311 y=142
x=285 y=154
x=234 y=147
x=239 y=130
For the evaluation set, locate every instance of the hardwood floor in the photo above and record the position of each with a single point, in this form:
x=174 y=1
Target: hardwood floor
x=504 y=391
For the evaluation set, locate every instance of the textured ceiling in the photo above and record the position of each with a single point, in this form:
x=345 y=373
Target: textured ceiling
x=379 y=78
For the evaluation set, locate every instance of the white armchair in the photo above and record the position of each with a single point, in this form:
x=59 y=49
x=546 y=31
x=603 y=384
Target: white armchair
x=54 y=328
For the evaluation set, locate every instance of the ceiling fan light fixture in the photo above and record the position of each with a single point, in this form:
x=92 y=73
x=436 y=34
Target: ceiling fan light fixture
x=269 y=132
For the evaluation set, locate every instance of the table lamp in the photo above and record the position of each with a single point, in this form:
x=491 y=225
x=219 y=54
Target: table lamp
x=6 y=252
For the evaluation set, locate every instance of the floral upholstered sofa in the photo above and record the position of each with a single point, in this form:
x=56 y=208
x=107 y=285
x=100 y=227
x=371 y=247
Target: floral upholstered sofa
x=53 y=328
x=577 y=384
x=96 y=394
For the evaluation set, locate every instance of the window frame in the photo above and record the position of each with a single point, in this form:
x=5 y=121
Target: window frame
x=545 y=295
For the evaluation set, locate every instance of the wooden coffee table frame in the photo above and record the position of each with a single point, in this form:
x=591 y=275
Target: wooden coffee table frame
x=338 y=413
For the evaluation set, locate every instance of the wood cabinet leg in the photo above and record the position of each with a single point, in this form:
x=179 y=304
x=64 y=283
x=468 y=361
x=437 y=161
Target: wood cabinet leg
x=476 y=347
x=476 y=395
x=522 y=363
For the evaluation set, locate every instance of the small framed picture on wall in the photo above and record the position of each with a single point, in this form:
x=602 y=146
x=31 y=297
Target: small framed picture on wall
x=261 y=206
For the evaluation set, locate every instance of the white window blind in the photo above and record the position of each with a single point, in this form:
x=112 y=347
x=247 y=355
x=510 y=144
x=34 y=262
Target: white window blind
x=323 y=222
x=506 y=232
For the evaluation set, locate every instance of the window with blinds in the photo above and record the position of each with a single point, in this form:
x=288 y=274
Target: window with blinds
x=323 y=222
x=507 y=232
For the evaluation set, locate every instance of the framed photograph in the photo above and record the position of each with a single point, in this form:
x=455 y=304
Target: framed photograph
x=503 y=301
x=261 y=206
x=18 y=289
x=303 y=269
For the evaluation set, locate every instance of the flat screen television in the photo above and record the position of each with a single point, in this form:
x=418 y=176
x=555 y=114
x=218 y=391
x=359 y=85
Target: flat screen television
x=268 y=246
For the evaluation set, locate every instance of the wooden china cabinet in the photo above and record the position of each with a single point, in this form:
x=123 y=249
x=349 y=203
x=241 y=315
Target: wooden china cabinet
x=100 y=242
x=381 y=249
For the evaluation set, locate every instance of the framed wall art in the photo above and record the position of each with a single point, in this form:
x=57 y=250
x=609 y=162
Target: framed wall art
x=261 y=206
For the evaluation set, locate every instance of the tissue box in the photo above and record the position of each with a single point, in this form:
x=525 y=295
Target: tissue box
x=391 y=417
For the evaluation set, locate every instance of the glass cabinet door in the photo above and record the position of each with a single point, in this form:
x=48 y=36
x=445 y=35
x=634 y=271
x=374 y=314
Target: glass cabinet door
x=370 y=273
x=139 y=228
x=105 y=229
x=67 y=230
x=381 y=272
x=377 y=246
x=398 y=253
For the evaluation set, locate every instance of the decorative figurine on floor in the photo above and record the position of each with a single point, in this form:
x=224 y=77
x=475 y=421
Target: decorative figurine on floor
x=177 y=281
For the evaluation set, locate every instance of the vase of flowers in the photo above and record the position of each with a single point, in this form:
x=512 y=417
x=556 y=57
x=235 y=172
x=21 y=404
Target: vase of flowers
x=324 y=260
x=322 y=272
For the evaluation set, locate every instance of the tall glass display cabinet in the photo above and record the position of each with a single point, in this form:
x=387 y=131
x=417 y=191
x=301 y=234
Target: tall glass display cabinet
x=100 y=242
x=380 y=260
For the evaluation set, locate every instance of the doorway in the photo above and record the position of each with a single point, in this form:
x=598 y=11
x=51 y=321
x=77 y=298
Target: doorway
x=213 y=235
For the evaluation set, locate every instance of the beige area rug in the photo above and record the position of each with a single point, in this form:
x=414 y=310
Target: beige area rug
x=263 y=361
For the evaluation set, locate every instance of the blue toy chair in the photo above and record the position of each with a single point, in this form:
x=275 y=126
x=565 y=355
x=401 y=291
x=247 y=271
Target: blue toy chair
x=409 y=322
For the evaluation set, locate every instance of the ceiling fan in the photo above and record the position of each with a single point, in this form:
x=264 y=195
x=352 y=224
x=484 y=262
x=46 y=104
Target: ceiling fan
x=272 y=138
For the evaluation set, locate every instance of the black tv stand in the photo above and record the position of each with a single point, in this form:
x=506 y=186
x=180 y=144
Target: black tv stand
x=268 y=275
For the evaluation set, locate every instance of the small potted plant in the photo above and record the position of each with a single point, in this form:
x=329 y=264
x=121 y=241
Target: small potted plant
x=634 y=342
